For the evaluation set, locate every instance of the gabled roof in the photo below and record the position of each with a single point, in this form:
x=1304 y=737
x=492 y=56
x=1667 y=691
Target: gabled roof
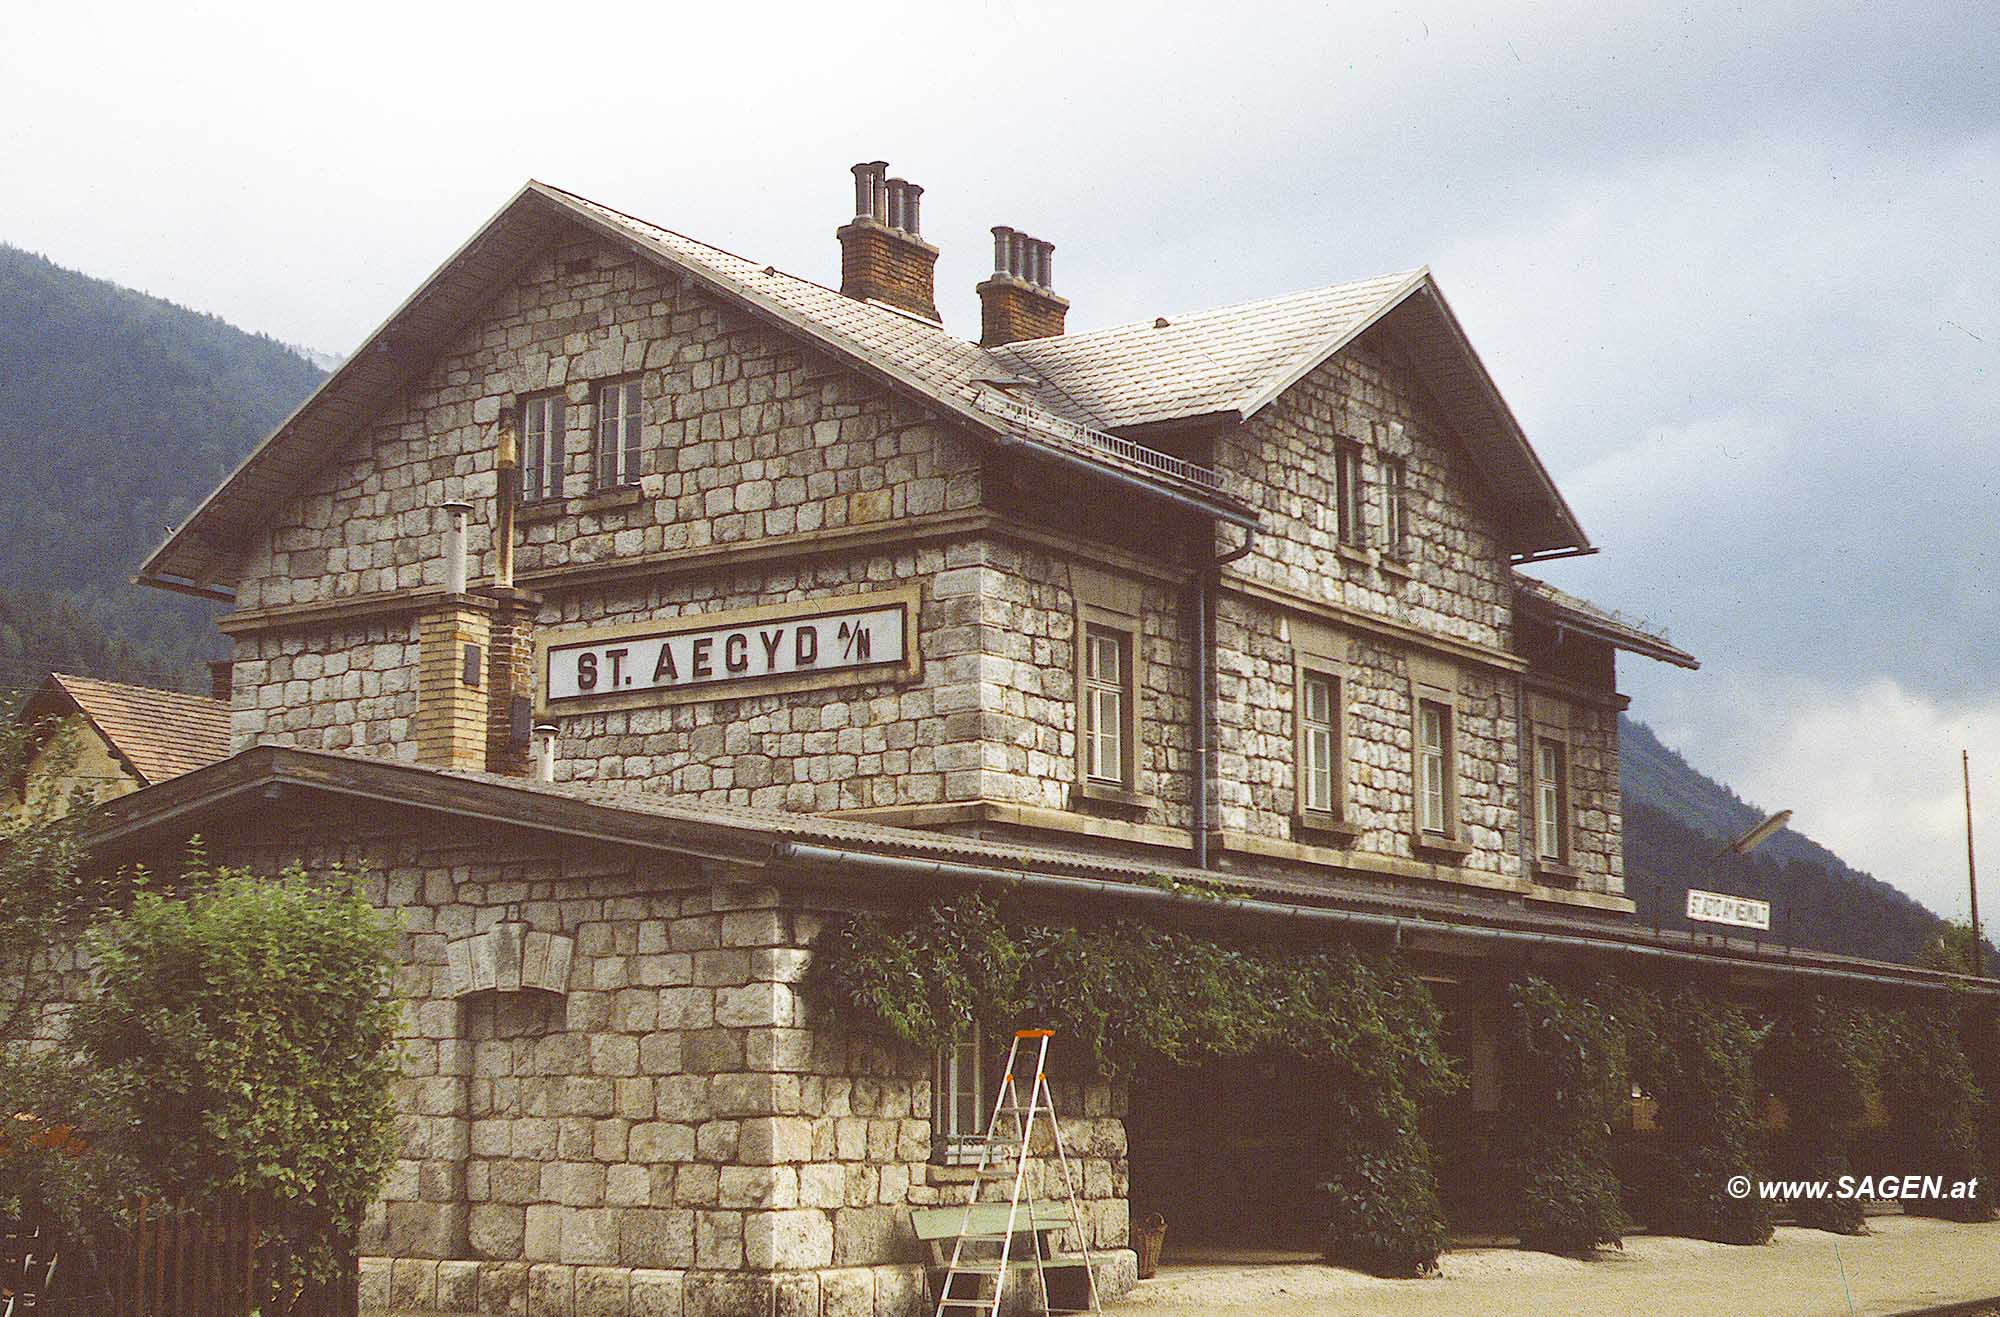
x=1234 y=361
x=1052 y=397
x=157 y=734
x=1565 y=610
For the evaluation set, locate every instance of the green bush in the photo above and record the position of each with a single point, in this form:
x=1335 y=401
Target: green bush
x=1820 y=1059
x=1124 y=993
x=252 y=1023
x=1695 y=1054
x=1565 y=1077
x=1935 y=1108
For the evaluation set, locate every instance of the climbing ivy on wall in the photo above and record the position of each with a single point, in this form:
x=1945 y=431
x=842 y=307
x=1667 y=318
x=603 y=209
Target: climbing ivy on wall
x=1566 y=1082
x=1122 y=993
x=1934 y=1107
x=1820 y=1059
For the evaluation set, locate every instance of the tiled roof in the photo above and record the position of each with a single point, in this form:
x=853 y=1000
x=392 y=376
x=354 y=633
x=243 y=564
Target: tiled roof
x=1581 y=615
x=158 y=733
x=1075 y=387
x=1201 y=363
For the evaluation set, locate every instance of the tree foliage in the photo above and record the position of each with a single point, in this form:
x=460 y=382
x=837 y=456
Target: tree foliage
x=1126 y=993
x=1935 y=1106
x=251 y=1021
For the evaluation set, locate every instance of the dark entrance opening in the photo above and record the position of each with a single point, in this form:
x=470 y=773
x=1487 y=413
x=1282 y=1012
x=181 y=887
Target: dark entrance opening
x=1231 y=1153
x=1477 y=1182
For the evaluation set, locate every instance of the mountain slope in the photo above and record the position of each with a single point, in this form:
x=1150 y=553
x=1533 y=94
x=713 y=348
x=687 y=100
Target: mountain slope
x=1677 y=819
x=118 y=411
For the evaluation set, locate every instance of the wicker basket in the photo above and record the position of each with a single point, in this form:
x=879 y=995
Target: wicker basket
x=1147 y=1240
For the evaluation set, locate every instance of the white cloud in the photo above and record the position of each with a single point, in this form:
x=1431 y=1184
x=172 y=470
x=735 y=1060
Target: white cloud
x=1872 y=770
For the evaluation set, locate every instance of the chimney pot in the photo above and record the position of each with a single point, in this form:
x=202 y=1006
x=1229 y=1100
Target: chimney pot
x=545 y=752
x=454 y=546
x=883 y=257
x=1018 y=302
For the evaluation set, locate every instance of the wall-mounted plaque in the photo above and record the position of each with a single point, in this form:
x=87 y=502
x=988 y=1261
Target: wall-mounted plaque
x=799 y=646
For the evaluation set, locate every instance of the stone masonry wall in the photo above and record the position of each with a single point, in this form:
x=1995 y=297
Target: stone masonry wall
x=1455 y=580
x=681 y=1132
x=746 y=434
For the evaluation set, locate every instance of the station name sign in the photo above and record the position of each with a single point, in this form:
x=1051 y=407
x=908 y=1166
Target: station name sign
x=765 y=645
x=1718 y=908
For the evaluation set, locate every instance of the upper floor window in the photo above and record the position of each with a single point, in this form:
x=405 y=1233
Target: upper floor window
x=1395 y=506
x=617 y=457
x=1107 y=698
x=1551 y=800
x=1348 y=491
x=1319 y=737
x=542 y=448
x=959 y=1098
x=1434 y=760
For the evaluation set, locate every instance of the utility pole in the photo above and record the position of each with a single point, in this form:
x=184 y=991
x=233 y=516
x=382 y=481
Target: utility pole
x=1971 y=873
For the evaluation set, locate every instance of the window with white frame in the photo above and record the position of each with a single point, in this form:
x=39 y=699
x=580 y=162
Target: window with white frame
x=1107 y=703
x=1395 y=506
x=1349 y=490
x=1434 y=756
x=542 y=448
x=1551 y=800
x=617 y=457
x=959 y=1100
x=1319 y=740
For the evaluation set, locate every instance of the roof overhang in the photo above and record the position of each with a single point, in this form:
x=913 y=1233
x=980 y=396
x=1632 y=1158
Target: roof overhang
x=769 y=846
x=190 y=558
x=1533 y=512
x=1568 y=613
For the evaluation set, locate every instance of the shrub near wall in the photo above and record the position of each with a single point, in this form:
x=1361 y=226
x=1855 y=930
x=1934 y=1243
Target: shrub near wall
x=1934 y=1107
x=1565 y=1079
x=1695 y=1055
x=1123 y=993
x=251 y=1023
x=1820 y=1059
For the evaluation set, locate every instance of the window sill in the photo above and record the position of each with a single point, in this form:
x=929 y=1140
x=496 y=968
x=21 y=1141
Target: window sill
x=604 y=500
x=1550 y=873
x=1442 y=847
x=1327 y=829
x=1355 y=555
x=951 y=1173
x=1102 y=793
x=542 y=509
x=1397 y=567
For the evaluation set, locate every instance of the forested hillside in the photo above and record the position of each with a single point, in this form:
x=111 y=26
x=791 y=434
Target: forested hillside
x=1676 y=820
x=118 y=411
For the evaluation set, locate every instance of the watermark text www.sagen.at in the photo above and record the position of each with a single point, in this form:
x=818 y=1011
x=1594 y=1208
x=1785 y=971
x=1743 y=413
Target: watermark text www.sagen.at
x=1867 y=1188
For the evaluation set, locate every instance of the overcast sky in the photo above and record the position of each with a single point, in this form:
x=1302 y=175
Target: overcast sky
x=1734 y=266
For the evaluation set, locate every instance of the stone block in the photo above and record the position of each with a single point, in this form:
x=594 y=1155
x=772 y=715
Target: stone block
x=590 y=1235
x=796 y=1296
x=551 y=1290
x=458 y=1286
x=603 y=1292
x=413 y=1283
x=503 y=1288
x=497 y=1230
x=657 y=1293
x=847 y=1292
x=712 y=1294
x=375 y=1277
x=656 y=1237
x=787 y=1240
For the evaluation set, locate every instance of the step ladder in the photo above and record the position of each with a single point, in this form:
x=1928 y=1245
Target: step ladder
x=979 y=1259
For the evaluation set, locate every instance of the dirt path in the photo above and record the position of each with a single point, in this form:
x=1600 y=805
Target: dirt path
x=1906 y=1264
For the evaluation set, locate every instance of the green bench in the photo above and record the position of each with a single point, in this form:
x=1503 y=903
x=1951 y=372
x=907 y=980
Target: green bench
x=938 y=1228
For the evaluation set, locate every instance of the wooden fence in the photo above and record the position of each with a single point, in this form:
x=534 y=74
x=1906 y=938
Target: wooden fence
x=225 y=1258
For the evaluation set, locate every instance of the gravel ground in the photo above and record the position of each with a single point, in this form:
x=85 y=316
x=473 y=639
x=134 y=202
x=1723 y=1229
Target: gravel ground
x=1905 y=1264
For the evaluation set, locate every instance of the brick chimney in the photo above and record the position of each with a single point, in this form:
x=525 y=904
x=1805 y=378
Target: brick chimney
x=1018 y=301
x=883 y=257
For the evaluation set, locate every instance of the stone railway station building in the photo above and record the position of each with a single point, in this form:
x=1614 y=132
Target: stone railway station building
x=630 y=611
